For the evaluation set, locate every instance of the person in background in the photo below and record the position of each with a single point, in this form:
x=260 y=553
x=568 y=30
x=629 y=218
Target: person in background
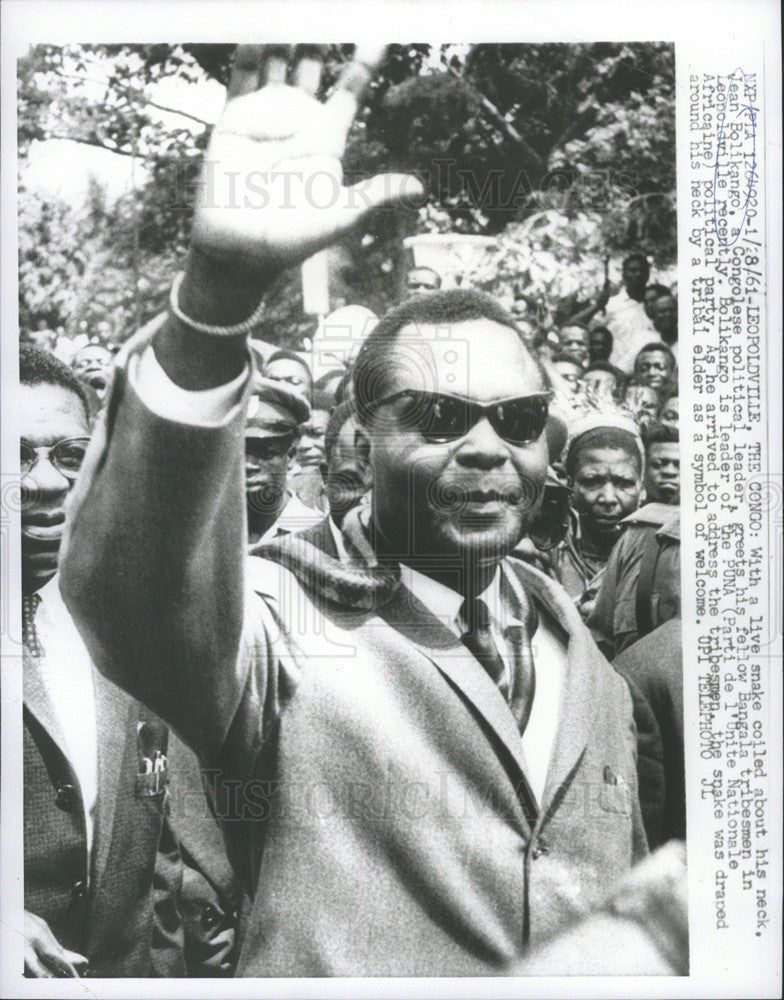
x=642 y=401
x=652 y=292
x=101 y=866
x=94 y=364
x=604 y=465
x=604 y=384
x=289 y=367
x=625 y=315
x=600 y=344
x=305 y=470
x=567 y=369
x=636 y=621
x=665 y=319
x=347 y=478
x=421 y=280
x=575 y=343
x=655 y=366
x=669 y=414
x=663 y=464
x=275 y=415
x=328 y=384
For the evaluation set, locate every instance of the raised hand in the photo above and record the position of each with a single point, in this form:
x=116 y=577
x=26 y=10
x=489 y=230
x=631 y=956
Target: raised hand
x=271 y=191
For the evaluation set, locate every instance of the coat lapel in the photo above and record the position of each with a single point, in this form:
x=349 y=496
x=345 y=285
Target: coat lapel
x=112 y=709
x=38 y=702
x=408 y=616
x=580 y=694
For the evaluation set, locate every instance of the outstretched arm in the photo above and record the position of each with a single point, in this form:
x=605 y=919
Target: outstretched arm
x=153 y=569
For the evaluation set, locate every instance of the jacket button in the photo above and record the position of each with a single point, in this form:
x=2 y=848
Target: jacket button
x=209 y=917
x=78 y=891
x=66 y=798
x=540 y=848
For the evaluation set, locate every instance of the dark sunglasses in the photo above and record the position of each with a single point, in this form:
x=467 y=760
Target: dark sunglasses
x=66 y=456
x=440 y=417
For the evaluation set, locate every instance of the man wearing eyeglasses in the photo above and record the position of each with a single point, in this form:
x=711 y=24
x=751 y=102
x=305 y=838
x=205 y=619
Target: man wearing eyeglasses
x=95 y=839
x=423 y=760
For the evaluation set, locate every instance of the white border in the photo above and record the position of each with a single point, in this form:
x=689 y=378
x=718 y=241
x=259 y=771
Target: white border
x=734 y=28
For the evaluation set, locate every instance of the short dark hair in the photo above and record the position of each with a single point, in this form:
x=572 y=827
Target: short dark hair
x=39 y=367
x=638 y=256
x=657 y=433
x=370 y=374
x=656 y=345
x=658 y=289
x=602 y=437
x=635 y=382
x=342 y=412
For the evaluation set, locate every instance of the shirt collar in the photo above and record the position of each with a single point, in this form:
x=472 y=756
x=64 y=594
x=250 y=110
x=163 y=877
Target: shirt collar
x=445 y=603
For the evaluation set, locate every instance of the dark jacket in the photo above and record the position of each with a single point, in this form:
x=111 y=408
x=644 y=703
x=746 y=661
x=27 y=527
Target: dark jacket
x=121 y=914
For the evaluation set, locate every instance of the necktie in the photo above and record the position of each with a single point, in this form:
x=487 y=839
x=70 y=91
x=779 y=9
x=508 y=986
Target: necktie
x=30 y=638
x=478 y=639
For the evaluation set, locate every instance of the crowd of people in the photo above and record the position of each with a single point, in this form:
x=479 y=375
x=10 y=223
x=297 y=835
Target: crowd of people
x=356 y=662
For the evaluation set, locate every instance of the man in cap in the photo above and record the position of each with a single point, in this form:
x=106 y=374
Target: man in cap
x=276 y=413
x=604 y=465
x=354 y=712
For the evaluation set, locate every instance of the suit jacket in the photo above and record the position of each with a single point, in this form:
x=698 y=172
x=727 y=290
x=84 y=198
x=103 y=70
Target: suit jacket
x=654 y=665
x=210 y=902
x=376 y=792
x=120 y=913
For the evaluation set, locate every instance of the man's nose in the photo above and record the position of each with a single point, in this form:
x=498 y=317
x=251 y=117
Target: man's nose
x=44 y=480
x=607 y=495
x=482 y=448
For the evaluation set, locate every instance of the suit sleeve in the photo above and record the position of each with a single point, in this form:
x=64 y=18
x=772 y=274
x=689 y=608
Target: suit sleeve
x=154 y=562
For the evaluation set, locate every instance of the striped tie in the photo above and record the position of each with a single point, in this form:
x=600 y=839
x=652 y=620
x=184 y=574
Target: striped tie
x=478 y=639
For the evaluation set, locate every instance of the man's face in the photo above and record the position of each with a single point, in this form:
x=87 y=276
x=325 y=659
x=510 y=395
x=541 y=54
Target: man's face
x=635 y=276
x=347 y=475
x=663 y=472
x=600 y=345
x=290 y=371
x=664 y=313
x=600 y=385
x=606 y=486
x=473 y=496
x=574 y=342
x=266 y=467
x=422 y=279
x=670 y=413
x=654 y=368
x=94 y=365
x=310 y=448
x=643 y=401
x=648 y=299
x=50 y=414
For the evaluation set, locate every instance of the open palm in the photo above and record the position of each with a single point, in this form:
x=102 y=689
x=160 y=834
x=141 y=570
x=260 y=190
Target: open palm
x=271 y=192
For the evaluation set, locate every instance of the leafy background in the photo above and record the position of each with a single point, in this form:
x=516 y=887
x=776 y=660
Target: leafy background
x=564 y=154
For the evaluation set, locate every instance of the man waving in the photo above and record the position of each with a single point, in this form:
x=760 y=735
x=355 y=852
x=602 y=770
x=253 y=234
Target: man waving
x=422 y=759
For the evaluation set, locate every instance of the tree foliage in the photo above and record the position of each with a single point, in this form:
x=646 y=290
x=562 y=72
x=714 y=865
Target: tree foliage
x=578 y=137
